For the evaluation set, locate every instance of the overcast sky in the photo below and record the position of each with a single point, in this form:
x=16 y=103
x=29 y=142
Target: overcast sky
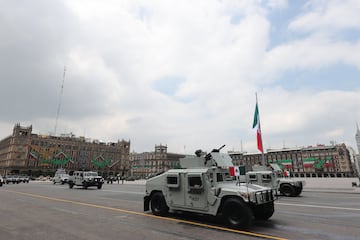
x=183 y=73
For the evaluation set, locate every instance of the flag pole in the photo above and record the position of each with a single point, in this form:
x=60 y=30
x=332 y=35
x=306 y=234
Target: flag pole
x=262 y=148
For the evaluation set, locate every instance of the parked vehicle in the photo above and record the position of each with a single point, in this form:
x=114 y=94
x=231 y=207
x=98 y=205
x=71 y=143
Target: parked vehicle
x=12 y=179
x=24 y=179
x=1 y=181
x=204 y=186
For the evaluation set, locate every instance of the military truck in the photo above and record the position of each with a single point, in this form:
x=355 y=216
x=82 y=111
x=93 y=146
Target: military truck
x=60 y=176
x=203 y=185
x=85 y=179
x=272 y=176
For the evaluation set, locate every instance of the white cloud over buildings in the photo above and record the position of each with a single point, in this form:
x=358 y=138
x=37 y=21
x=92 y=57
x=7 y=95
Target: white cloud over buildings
x=180 y=73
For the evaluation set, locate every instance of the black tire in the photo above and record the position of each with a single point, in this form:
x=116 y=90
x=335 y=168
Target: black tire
x=99 y=186
x=71 y=184
x=54 y=182
x=287 y=190
x=85 y=186
x=158 y=204
x=298 y=191
x=264 y=211
x=236 y=213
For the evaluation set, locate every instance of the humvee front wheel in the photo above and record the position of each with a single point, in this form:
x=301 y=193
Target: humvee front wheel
x=264 y=211
x=287 y=190
x=298 y=191
x=158 y=204
x=71 y=184
x=236 y=213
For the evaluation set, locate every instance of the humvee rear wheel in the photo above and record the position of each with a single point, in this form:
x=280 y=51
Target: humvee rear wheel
x=264 y=211
x=99 y=186
x=287 y=190
x=158 y=204
x=236 y=213
x=71 y=185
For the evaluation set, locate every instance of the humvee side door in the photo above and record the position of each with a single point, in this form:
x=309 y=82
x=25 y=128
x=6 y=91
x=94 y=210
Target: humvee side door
x=175 y=189
x=78 y=178
x=195 y=191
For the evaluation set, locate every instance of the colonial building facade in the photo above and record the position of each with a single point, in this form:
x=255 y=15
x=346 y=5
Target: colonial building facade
x=147 y=164
x=32 y=154
x=319 y=161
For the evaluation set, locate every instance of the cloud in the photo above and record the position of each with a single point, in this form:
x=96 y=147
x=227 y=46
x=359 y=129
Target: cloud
x=328 y=16
x=277 y=4
x=180 y=73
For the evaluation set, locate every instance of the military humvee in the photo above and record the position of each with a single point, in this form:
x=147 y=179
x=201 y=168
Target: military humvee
x=60 y=176
x=85 y=179
x=272 y=177
x=204 y=186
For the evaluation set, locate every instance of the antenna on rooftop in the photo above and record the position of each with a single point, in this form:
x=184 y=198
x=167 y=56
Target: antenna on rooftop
x=60 y=98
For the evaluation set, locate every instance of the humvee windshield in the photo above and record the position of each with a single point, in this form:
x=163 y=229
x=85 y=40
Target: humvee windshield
x=224 y=177
x=266 y=177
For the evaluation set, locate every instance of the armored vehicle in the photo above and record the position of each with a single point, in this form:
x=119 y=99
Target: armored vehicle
x=272 y=176
x=204 y=185
x=85 y=179
x=60 y=176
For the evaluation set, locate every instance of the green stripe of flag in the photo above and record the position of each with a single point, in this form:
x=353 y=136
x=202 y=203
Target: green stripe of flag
x=256 y=116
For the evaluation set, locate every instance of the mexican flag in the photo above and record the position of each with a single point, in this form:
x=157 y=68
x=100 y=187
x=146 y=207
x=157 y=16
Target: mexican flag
x=256 y=124
x=234 y=171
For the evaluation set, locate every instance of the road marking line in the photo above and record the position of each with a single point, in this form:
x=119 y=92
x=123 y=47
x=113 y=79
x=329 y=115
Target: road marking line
x=318 y=206
x=259 y=235
x=115 y=191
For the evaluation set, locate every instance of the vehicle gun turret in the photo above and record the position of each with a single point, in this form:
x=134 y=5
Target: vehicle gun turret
x=207 y=160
